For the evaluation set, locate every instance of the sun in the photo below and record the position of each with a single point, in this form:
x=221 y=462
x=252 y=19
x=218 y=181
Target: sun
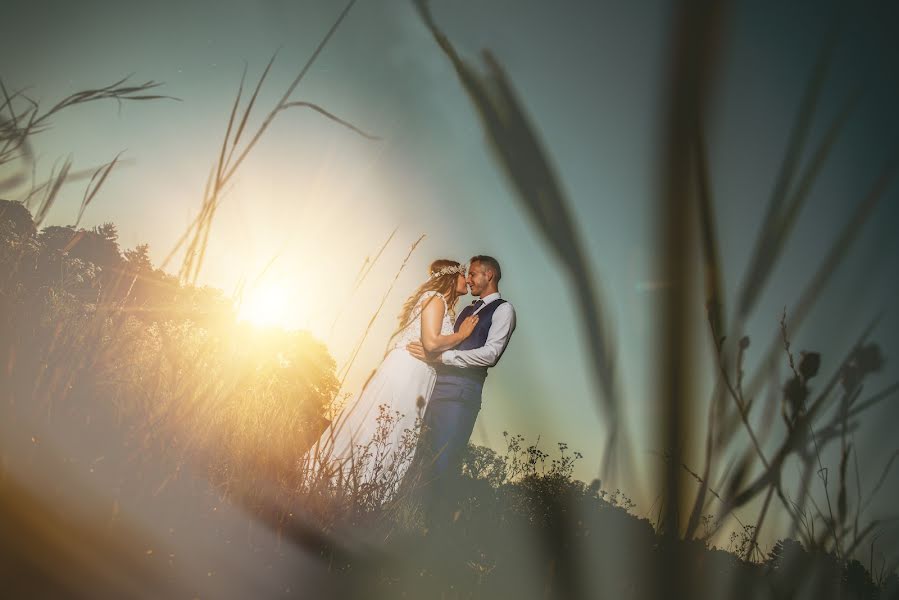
x=270 y=304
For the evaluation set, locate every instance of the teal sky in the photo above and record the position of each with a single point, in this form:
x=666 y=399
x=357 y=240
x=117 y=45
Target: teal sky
x=591 y=76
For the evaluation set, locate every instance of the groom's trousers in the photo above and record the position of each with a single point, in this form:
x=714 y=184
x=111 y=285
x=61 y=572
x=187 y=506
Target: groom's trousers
x=446 y=428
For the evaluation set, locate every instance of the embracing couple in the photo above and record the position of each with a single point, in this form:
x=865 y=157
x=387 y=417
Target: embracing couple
x=436 y=360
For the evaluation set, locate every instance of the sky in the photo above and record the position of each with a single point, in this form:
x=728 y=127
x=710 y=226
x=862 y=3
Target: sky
x=591 y=75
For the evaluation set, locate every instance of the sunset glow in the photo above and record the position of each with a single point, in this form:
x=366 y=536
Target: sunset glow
x=272 y=303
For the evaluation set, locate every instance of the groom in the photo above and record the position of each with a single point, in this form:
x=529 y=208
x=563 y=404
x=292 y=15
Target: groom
x=456 y=399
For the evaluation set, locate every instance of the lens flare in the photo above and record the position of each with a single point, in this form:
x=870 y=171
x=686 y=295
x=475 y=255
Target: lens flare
x=270 y=304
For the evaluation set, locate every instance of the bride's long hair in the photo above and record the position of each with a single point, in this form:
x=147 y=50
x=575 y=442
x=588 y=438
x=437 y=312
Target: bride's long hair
x=445 y=285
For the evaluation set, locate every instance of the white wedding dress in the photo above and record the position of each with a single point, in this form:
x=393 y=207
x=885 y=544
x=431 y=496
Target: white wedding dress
x=373 y=439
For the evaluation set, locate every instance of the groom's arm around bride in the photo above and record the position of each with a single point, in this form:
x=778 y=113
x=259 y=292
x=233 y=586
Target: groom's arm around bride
x=483 y=281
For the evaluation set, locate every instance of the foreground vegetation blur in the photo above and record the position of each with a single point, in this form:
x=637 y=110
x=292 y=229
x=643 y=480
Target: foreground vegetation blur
x=126 y=388
x=158 y=378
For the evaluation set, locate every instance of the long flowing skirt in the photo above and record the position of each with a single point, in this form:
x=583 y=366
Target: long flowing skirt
x=372 y=441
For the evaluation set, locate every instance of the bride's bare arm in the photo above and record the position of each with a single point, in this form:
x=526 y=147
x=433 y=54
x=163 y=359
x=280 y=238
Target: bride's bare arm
x=431 y=321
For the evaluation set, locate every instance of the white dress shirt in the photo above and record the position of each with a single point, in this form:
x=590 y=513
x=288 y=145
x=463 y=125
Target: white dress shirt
x=501 y=329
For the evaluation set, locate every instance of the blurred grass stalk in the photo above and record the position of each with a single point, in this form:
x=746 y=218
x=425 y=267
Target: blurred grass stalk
x=693 y=47
x=529 y=170
x=232 y=154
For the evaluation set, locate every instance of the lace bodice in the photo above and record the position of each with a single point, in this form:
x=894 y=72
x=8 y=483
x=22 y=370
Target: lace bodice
x=412 y=332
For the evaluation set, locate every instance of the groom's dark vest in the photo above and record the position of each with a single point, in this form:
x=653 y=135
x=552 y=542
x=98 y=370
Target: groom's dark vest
x=478 y=337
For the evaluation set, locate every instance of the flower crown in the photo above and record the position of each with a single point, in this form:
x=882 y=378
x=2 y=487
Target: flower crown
x=460 y=269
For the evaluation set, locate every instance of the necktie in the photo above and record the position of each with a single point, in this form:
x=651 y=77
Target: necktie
x=476 y=305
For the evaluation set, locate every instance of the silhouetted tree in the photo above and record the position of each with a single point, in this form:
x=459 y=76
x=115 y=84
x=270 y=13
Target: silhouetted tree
x=15 y=216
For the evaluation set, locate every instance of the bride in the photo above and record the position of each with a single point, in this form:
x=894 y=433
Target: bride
x=373 y=438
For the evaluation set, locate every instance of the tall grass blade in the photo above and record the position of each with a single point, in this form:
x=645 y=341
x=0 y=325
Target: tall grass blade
x=99 y=176
x=349 y=364
x=290 y=89
x=687 y=81
x=57 y=179
x=528 y=169
x=762 y=261
x=332 y=117
x=779 y=219
x=874 y=400
x=225 y=142
x=366 y=268
x=714 y=300
x=882 y=479
x=200 y=228
x=812 y=291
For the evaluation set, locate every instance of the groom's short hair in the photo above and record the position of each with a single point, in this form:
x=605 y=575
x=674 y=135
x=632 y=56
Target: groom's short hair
x=489 y=262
